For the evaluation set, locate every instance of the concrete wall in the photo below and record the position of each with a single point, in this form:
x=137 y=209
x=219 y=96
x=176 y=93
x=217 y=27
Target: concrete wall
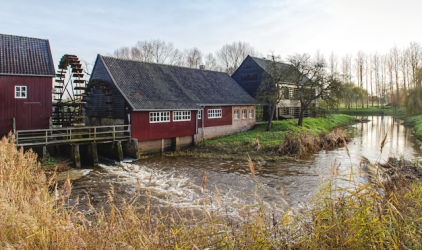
x=168 y=144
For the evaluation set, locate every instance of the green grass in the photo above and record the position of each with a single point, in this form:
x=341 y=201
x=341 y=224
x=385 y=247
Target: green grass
x=315 y=126
x=241 y=144
x=371 y=111
x=416 y=122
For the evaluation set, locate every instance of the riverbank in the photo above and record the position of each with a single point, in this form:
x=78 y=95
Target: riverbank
x=36 y=217
x=371 y=111
x=264 y=145
x=416 y=122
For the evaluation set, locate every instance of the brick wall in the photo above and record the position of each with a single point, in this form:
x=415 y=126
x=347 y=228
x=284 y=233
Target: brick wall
x=238 y=125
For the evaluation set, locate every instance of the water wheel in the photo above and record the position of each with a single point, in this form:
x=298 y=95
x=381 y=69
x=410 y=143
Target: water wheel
x=69 y=93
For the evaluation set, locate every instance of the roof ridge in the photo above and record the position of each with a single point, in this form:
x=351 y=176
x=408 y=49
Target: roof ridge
x=24 y=37
x=184 y=67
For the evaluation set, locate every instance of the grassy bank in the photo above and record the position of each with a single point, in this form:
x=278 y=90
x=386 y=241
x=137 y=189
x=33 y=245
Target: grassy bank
x=371 y=111
x=416 y=122
x=37 y=216
x=263 y=145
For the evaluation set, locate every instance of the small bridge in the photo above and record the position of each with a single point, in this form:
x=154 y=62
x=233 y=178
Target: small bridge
x=112 y=135
x=71 y=135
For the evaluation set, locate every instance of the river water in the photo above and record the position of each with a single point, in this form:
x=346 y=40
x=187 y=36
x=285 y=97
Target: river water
x=177 y=182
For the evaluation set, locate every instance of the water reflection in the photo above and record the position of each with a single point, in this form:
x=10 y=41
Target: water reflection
x=178 y=181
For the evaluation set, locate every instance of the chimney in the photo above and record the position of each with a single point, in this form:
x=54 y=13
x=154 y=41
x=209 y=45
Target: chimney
x=201 y=66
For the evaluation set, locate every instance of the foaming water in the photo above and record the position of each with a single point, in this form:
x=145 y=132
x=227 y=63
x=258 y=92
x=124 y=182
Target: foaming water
x=177 y=182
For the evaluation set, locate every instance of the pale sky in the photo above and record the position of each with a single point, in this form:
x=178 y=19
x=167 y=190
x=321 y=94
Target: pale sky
x=86 y=28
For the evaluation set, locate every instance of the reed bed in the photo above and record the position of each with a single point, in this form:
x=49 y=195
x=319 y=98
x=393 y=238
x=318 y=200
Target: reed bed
x=36 y=215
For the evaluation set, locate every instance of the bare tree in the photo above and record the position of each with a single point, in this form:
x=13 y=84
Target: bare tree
x=346 y=68
x=375 y=67
x=211 y=63
x=123 y=53
x=360 y=61
x=230 y=56
x=404 y=67
x=333 y=64
x=395 y=60
x=193 y=58
x=415 y=54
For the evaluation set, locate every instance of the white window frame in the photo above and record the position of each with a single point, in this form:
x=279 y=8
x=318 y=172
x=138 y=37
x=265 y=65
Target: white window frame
x=236 y=114
x=251 y=114
x=180 y=116
x=18 y=93
x=163 y=116
x=215 y=113
x=244 y=114
x=199 y=114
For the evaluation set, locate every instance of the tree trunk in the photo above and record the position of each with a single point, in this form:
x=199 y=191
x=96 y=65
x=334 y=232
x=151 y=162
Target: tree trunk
x=302 y=112
x=271 y=117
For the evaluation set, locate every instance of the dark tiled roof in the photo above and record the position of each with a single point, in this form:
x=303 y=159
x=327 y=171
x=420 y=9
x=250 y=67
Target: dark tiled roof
x=149 y=86
x=25 y=56
x=264 y=62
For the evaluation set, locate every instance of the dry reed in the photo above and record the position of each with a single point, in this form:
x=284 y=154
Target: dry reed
x=36 y=216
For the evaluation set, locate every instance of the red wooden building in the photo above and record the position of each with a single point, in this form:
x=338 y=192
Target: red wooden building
x=167 y=106
x=26 y=81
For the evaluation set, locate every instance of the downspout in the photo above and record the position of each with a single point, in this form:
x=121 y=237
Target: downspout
x=203 y=118
x=196 y=126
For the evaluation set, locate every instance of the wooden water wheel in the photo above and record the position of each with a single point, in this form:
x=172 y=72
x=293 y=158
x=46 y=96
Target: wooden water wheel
x=69 y=93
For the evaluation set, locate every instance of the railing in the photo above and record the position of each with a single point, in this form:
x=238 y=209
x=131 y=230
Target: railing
x=72 y=135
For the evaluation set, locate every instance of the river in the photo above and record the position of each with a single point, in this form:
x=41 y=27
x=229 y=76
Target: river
x=177 y=182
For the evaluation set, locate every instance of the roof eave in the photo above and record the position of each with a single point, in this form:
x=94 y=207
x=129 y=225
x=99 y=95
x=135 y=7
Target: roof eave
x=31 y=75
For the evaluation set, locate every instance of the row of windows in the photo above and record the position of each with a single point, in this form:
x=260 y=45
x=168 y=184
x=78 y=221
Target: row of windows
x=181 y=115
x=244 y=114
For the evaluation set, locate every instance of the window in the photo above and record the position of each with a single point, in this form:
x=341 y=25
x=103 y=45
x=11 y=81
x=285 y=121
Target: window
x=214 y=113
x=244 y=114
x=236 y=114
x=199 y=114
x=251 y=113
x=245 y=77
x=249 y=77
x=181 y=116
x=159 y=116
x=20 y=91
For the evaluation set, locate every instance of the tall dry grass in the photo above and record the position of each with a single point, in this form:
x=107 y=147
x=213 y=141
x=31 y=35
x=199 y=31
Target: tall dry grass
x=305 y=143
x=36 y=215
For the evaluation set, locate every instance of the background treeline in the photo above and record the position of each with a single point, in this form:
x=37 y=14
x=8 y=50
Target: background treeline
x=368 y=78
x=228 y=58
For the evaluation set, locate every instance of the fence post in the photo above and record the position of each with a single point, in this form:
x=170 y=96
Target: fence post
x=70 y=134
x=46 y=137
x=114 y=132
x=95 y=133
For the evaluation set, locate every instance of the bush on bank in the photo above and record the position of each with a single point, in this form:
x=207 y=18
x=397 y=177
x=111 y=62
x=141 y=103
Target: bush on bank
x=416 y=122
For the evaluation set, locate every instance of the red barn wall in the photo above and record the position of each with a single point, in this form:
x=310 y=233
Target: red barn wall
x=143 y=130
x=33 y=112
x=226 y=118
